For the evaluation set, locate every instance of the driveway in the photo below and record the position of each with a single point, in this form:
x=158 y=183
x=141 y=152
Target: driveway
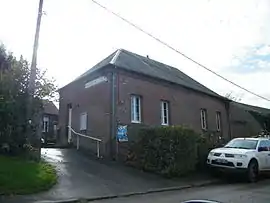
x=82 y=176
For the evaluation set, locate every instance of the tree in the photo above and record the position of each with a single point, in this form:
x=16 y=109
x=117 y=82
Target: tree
x=231 y=96
x=14 y=81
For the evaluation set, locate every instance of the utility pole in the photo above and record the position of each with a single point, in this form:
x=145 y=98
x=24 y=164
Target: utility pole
x=31 y=89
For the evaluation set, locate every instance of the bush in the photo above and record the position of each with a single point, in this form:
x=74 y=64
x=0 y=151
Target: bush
x=206 y=143
x=170 y=151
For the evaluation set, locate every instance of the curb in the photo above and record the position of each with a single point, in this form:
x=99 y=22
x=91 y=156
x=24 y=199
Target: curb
x=157 y=190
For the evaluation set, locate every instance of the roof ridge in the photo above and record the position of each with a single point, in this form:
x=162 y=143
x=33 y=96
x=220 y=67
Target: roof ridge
x=115 y=57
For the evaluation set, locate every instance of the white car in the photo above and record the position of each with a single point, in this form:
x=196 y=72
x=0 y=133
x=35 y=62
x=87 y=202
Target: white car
x=251 y=155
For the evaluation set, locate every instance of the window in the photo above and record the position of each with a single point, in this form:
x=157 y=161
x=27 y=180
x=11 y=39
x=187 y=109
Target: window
x=242 y=143
x=204 y=119
x=135 y=109
x=265 y=145
x=45 y=128
x=83 y=121
x=164 y=113
x=218 y=120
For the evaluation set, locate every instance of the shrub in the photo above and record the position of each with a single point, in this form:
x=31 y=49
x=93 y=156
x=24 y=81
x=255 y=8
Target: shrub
x=170 y=151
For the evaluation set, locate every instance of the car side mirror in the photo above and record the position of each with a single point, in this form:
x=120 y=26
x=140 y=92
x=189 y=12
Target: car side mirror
x=262 y=149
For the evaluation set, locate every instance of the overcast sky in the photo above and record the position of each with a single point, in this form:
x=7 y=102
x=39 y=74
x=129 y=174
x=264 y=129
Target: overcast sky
x=230 y=37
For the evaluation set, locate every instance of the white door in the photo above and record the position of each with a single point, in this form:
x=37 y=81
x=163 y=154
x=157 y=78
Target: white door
x=262 y=154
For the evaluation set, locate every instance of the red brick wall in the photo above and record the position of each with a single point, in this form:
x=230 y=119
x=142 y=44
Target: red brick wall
x=95 y=101
x=185 y=104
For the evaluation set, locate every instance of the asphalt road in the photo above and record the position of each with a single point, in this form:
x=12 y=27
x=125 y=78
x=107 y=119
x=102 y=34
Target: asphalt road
x=231 y=193
x=82 y=176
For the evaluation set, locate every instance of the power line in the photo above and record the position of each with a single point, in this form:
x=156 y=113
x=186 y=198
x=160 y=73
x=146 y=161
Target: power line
x=177 y=51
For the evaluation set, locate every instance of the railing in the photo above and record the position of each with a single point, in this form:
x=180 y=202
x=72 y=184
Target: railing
x=86 y=136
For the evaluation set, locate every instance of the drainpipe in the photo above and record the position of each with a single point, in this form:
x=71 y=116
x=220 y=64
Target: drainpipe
x=227 y=107
x=113 y=114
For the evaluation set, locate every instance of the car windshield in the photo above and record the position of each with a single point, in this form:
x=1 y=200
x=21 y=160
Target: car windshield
x=242 y=144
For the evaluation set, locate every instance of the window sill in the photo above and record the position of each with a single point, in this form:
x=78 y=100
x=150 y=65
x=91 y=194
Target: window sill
x=164 y=124
x=137 y=122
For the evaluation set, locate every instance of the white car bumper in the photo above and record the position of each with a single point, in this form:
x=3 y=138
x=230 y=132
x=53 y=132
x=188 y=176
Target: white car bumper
x=224 y=162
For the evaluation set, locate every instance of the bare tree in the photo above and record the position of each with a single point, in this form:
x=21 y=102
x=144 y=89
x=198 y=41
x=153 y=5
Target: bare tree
x=233 y=97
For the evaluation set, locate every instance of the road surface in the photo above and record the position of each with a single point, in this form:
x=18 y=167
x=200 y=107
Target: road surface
x=231 y=193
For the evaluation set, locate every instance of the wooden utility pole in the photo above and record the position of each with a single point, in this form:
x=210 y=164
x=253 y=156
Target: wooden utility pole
x=31 y=135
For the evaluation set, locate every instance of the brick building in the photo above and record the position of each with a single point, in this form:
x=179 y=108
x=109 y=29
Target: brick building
x=49 y=122
x=129 y=89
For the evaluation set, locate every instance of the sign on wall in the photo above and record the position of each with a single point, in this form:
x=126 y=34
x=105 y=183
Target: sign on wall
x=122 y=133
x=96 y=81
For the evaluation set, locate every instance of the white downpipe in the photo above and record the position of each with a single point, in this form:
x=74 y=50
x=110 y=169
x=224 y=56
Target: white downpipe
x=86 y=136
x=98 y=155
x=69 y=124
x=78 y=142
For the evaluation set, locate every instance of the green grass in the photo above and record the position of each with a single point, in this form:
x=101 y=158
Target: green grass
x=20 y=176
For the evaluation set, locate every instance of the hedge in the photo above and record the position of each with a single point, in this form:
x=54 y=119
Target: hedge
x=170 y=151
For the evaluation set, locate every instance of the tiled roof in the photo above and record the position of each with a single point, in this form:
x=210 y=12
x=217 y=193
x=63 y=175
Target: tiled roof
x=50 y=108
x=133 y=62
x=246 y=107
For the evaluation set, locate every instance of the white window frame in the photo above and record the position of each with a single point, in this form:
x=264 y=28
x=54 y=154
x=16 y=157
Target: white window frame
x=164 y=112
x=83 y=121
x=218 y=120
x=204 y=119
x=45 y=128
x=135 y=116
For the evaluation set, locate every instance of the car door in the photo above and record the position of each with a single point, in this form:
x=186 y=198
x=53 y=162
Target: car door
x=268 y=155
x=263 y=155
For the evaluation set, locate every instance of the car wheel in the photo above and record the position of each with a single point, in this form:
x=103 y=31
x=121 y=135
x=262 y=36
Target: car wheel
x=253 y=171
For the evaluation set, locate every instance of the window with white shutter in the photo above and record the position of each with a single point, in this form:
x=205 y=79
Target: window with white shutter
x=83 y=121
x=218 y=120
x=164 y=113
x=135 y=109
x=204 y=119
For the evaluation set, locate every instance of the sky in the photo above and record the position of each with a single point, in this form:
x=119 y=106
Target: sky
x=230 y=37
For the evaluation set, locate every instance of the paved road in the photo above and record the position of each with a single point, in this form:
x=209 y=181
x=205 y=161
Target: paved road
x=231 y=193
x=81 y=176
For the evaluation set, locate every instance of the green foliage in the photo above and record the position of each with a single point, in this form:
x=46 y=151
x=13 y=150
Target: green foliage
x=20 y=176
x=170 y=151
x=14 y=81
x=206 y=143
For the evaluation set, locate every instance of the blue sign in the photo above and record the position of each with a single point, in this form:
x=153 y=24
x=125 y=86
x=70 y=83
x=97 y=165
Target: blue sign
x=122 y=133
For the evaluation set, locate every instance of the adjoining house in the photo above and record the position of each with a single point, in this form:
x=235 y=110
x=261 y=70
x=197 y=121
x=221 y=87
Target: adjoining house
x=247 y=120
x=50 y=122
x=129 y=89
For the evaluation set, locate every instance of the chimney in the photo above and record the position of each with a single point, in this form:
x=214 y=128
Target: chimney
x=147 y=56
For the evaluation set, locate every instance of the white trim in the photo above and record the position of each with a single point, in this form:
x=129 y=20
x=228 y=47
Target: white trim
x=96 y=81
x=218 y=121
x=69 y=124
x=115 y=56
x=162 y=113
x=45 y=127
x=83 y=121
x=203 y=119
x=133 y=109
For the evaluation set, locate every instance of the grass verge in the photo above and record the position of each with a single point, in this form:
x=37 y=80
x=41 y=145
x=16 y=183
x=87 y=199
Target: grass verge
x=21 y=176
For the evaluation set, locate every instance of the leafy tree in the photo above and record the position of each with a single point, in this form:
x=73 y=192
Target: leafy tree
x=14 y=81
